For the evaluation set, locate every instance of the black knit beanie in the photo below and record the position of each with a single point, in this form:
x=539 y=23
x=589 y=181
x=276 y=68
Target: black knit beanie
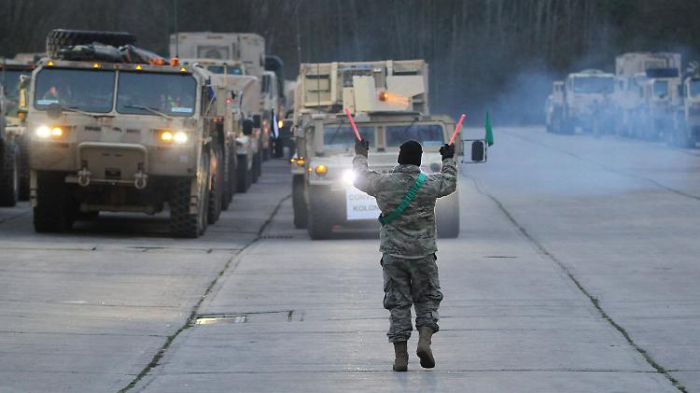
x=410 y=153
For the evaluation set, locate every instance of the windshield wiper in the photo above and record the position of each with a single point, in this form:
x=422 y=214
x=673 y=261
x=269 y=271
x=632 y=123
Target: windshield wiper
x=148 y=109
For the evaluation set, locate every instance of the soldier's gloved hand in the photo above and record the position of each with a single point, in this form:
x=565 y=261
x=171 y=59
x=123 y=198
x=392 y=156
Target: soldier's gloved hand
x=362 y=147
x=447 y=151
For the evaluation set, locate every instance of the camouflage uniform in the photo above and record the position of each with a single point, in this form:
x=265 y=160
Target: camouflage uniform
x=408 y=243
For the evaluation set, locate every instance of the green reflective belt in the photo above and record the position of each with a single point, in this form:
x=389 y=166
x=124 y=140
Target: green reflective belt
x=406 y=200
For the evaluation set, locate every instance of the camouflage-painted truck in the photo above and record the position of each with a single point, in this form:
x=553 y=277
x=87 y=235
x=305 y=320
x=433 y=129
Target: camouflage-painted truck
x=389 y=101
x=121 y=136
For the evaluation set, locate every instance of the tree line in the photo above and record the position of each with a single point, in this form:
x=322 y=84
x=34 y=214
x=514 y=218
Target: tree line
x=498 y=55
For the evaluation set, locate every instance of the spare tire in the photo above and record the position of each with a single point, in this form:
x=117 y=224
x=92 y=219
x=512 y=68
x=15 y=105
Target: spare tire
x=60 y=38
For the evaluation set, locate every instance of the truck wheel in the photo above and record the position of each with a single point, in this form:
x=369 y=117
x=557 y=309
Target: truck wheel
x=216 y=192
x=9 y=178
x=230 y=176
x=182 y=223
x=244 y=175
x=54 y=211
x=24 y=168
x=299 y=204
x=447 y=216
x=257 y=164
x=61 y=38
x=318 y=226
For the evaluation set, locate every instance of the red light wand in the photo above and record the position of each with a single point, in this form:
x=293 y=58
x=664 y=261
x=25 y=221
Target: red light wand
x=352 y=123
x=459 y=125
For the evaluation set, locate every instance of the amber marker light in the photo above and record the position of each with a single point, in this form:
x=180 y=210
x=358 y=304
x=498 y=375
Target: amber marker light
x=183 y=69
x=166 y=136
x=56 y=132
x=383 y=96
x=96 y=65
x=321 y=170
x=138 y=67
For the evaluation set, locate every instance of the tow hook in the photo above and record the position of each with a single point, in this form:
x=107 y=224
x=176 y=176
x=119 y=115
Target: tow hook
x=140 y=180
x=84 y=177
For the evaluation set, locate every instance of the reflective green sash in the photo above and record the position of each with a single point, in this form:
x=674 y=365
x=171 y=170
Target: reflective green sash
x=406 y=200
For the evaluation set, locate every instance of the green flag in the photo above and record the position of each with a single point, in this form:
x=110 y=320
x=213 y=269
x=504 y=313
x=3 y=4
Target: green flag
x=489 y=130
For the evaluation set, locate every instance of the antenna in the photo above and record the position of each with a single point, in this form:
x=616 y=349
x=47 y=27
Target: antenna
x=177 y=32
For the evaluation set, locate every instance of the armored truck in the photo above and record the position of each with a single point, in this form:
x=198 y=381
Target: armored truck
x=123 y=136
x=9 y=161
x=686 y=121
x=389 y=101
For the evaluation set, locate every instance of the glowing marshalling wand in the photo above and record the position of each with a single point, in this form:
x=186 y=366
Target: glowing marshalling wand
x=459 y=125
x=352 y=123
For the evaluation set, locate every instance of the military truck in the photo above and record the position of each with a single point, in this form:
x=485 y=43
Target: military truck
x=586 y=100
x=243 y=92
x=686 y=120
x=389 y=100
x=249 y=49
x=554 y=108
x=11 y=73
x=9 y=161
x=646 y=86
x=121 y=136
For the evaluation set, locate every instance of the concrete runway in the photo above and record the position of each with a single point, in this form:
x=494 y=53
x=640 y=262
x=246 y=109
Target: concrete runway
x=576 y=271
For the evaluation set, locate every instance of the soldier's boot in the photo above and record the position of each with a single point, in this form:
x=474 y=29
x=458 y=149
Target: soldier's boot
x=424 y=352
x=401 y=352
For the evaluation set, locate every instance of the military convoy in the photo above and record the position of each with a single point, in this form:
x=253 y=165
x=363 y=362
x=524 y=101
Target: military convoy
x=389 y=101
x=647 y=98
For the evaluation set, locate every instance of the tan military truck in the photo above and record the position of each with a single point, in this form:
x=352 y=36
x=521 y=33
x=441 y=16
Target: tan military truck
x=9 y=161
x=645 y=91
x=244 y=91
x=123 y=137
x=686 y=122
x=249 y=50
x=11 y=73
x=389 y=101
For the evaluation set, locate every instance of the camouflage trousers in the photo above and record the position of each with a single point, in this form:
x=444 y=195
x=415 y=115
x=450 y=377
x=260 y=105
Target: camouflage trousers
x=411 y=282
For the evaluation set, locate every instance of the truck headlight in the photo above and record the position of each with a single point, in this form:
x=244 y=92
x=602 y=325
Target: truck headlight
x=43 y=132
x=168 y=136
x=180 y=137
x=321 y=170
x=349 y=177
x=46 y=132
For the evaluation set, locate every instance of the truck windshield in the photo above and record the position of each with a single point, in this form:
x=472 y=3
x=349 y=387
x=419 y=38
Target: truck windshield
x=426 y=134
x=593 y=85
x=86 y=90
x=694 y=88
x=149 y=93
x=342 y=137
x=230 y=70
x=660 y=89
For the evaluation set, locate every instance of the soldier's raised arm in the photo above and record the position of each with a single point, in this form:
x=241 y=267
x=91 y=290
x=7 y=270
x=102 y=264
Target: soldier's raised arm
x=445 y=183
x=366 y=179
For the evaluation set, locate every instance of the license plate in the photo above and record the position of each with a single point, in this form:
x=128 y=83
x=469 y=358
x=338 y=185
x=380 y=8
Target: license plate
x=360 y=206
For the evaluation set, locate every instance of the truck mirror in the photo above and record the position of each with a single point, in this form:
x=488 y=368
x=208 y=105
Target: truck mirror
x=257 y=121
x=24 y=81
x=247 y=127
x=478 y=151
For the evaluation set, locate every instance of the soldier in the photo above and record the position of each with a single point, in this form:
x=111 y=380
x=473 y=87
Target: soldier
x=406 y=198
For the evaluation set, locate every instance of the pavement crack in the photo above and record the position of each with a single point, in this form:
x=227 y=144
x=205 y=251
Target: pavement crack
x=192 y=319
x=593 y=299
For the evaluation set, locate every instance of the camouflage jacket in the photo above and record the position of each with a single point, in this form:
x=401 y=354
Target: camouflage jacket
x=413 y=233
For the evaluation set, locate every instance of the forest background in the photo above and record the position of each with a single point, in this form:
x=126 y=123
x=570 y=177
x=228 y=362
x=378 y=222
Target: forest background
x=497 y=55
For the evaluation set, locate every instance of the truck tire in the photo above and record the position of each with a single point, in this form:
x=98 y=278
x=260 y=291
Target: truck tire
x=447 y=216
x=257 y=166
x=299 y=203
x=230 y=177
x=318 y=226
x=24 y=168
x=182 y=223
x=216 y=192
x=61 y=38
x=55 y=211
x=9 y=176
x=244 y=175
